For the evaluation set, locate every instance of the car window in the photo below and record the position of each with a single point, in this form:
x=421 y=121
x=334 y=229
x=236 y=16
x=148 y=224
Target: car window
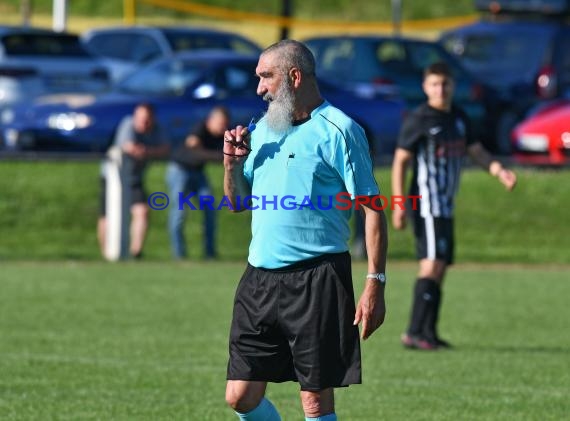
x=563 y=56
x=393 y=57
x=113 y=45
x=238 y=80
x=564 y=51
x=423 y=55
x=138 y=48
x=511 y=50
x=169 y=78
x=335 y=59
x=180 y=41
x=144 y=48
x=517 y=6
x=243 y=46
x=56 y=45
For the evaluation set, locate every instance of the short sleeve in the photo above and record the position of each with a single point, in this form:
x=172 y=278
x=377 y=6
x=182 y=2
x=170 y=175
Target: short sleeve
x=410 y=133
x=353 y=163
x=125 y=131
x=248 y=169
x=469 y=133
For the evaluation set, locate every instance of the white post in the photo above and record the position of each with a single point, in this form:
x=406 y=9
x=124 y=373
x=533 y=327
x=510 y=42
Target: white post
x=117 y=205
x=59 y=15
x=26 y=11
x=397 y=17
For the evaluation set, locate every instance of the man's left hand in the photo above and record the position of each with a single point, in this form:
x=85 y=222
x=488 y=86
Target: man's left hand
x=507 y=179
x=371 y=308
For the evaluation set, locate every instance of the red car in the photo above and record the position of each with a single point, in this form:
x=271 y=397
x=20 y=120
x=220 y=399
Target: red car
x=544 y=137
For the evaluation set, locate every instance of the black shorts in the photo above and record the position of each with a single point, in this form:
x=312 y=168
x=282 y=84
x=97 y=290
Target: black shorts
x=434 y=238
x=138 y=195
x=296 y=324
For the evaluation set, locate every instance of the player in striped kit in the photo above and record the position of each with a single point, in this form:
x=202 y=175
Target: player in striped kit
x=435 y=138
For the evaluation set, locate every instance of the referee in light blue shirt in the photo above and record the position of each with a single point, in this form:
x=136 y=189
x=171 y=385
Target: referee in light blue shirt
x=294 y=316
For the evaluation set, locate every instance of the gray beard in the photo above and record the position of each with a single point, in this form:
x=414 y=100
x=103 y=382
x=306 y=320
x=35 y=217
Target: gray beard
x=279 y=115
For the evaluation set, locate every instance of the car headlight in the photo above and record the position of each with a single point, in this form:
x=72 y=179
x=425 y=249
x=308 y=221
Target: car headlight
x=69 y=121
x=533 y=142
x=566 y=139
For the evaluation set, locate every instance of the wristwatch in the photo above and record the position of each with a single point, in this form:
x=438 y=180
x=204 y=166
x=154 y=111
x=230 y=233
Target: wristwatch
x=380 y=277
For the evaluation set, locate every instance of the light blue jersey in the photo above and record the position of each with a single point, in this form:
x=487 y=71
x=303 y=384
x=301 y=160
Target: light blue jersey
x=295 y=179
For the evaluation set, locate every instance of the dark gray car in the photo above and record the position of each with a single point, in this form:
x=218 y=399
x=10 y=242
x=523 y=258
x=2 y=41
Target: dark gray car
x=383 y=65
x=524 y=57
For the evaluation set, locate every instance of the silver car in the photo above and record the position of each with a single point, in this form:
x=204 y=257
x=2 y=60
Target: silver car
x=125 y=49
x=35 y=62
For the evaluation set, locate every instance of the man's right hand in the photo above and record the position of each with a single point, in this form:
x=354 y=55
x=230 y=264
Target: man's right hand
x=236 y=145
x=236 y=150
x=399 y=219
x=135 y=150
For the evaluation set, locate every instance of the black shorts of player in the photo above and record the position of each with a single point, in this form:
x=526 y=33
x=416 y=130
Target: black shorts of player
x=296 y=324
x=138 y=195
x=434 y=238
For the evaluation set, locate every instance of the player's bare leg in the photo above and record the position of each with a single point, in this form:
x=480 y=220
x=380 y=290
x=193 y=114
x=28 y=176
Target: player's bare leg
x=318 y=404
x=139 y=226
x=432 y=269
x=101 y=234
x=247 y=398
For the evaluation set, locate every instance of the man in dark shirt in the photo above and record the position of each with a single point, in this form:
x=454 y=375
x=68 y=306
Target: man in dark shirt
x=435 y=138
x=141 y=139
x=185 y=174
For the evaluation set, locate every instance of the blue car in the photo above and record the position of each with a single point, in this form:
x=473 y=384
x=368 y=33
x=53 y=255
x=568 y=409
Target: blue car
x=182 y=88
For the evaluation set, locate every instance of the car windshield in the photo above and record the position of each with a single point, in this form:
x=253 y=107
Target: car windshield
x=181 y=41
x=169 y=78
x=411 y=58
x=537 y=6
x=367 y=60
x=55 y=45
x=513 y=51
x=421 y=55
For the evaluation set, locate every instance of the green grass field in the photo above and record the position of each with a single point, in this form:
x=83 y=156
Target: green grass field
x=148 y=341
x=85 y=340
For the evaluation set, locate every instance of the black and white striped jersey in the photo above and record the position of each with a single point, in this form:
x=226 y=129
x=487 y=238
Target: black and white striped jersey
x=439 y=142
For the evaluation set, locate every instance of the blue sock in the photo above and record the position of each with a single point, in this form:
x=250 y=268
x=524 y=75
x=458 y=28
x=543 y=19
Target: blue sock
x=265 y=411
x=328 y=417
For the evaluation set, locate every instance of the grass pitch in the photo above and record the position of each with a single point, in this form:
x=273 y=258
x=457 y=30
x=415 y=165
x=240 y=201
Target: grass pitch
x=148 y=341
